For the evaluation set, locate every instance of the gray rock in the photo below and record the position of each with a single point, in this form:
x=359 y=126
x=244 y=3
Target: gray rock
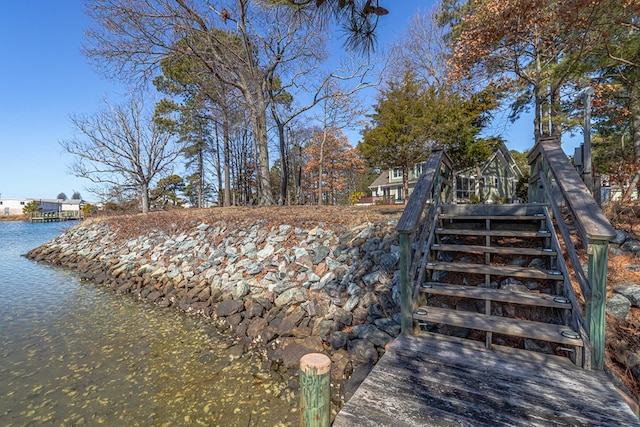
x=292 y=350
x=265 y=252
x=351 y=303
x=371 y=333
x=631 y=245
x=253 y=309
x=513 y=285
x=618 y=306
x=342 y=318
x=290 y=321
x=621 y=237
x=338 y=339
x=284 y=286
x=363 y=350
x=319 y=254
x=353 y=289
x=327 y=278
x=631 y=291
x=229 y=307
x=247 y=248
x=389 y=326
x=372 y=278
x=255 y=268
x=538 y=263
x=291 y=296
x=323 y=328
x=518 y=261
x=388 y=261
x=240 y=290
x=371 y=244
x=311 y=307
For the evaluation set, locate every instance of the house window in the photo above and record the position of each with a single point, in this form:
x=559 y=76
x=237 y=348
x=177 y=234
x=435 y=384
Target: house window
x=397 y=172
x=465 y=187
x=419 y=169
x=491 y=181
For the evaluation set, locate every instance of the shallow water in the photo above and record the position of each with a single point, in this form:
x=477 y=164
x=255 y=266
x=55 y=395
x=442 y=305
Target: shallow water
x=75 y=354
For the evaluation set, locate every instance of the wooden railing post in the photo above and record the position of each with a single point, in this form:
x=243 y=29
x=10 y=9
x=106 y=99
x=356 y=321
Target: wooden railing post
x=595 y=309
x=406 y=316
x=315 y=390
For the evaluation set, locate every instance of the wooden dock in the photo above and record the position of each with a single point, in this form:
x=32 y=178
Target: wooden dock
x=55 y=216
x=437 y=381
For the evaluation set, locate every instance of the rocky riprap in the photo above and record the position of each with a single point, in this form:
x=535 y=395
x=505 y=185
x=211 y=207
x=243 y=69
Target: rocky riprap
x=282 y=289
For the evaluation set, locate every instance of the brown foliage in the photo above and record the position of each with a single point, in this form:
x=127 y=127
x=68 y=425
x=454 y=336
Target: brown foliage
x=343 y=217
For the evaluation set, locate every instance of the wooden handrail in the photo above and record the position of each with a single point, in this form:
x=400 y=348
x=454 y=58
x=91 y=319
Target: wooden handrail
x=589 y=219
x=427 y=192
x=422 y=192
x=549 y=166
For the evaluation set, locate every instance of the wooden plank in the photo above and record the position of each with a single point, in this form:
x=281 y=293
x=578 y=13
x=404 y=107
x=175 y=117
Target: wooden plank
x=412 y=213
x=500 y=210
x=420 y=382
x=523 y=298
x=492 y=233
x=588 y=216
x=499 y=325
x=493 y=217
x=506 y=250
x=502 y=270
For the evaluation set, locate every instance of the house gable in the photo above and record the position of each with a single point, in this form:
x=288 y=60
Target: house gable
x=499 y=176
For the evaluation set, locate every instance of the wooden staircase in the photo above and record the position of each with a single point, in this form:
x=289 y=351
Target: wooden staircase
x=491 y=273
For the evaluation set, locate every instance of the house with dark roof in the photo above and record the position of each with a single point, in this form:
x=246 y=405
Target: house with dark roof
x=495 y=181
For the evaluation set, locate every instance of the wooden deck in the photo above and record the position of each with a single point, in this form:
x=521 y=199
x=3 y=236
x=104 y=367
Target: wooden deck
x=55 y=216
x=439 y=382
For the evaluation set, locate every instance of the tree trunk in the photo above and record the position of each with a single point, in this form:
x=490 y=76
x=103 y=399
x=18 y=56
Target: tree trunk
x=227 y=156
x=260 y=132
x=284 y=170
x=144 y=190
x=218 y=162
x=320 y=161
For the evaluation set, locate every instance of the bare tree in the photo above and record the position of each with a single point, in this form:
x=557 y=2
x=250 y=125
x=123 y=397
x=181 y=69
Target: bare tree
x=233 y=39
x=121 y=146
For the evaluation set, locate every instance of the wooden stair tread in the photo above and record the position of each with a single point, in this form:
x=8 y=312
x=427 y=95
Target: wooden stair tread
x=499 y=325
x=508 y=250
x=498 y=233
x=523 y=298
x=493 y=217
x=494 y=270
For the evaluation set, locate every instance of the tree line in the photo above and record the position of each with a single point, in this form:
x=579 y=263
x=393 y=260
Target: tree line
x=236 y=81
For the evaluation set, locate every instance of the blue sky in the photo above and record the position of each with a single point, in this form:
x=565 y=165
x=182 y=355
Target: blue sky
x=44 y=79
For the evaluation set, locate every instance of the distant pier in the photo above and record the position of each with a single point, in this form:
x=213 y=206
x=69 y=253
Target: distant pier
x=55 y=216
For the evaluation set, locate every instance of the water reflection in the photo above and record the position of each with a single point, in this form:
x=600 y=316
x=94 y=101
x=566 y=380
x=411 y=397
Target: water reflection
x=74 y=354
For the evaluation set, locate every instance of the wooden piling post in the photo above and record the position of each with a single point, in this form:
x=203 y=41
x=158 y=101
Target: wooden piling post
x=406 y=315
x=595 y=312
x=315 y=390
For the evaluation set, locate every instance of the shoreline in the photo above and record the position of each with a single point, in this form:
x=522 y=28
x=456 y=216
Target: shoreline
x=280 y=289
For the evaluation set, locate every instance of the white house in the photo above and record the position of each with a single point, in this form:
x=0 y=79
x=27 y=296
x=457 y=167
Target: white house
x=10 y=207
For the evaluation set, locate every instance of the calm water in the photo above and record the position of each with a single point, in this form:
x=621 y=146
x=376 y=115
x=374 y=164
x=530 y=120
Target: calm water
x=74 y=354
